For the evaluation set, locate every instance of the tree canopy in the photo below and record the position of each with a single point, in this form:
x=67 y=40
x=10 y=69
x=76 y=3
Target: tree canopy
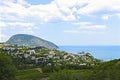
x=7 y=68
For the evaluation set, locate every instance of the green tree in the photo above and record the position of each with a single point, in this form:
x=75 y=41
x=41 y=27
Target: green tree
x=7 y=68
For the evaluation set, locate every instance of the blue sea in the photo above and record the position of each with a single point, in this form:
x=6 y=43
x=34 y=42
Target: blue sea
x=101 y=52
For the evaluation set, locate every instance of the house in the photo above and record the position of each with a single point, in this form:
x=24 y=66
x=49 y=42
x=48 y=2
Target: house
x=26 y=55
x=49 y=64
x=40 y=59
x=83 y=64
x=33 y=58
x=8 y=48
x=52 y=53
x=31 y=52
x=65 y=56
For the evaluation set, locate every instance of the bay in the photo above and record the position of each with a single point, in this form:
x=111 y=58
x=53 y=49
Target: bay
x=100 y=52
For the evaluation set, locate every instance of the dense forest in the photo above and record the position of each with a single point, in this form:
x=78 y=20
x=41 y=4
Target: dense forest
x=108 y=70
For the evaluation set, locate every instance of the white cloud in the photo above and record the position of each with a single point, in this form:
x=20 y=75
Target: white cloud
x=66 y=3
x=118 y=14
x=44 y=12
x=18 y=27
x=19 y=13
x=66 y=10
x=88 y=32
x=4 y=25
x=3 y=37
x=10 y=8
x=89 y=25
x=105 y=17
x=86 y=28
x=71 y=31
x=22 y=10
x=82 y=23
x=94 y=27
x=23 y=27
x=24 y=24
x=51 y=12
x=99 y=5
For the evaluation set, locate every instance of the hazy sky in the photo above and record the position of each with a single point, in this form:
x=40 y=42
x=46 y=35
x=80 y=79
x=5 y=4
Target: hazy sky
x=64 y=22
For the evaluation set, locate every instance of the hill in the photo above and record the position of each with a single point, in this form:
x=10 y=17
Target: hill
x=31 y=41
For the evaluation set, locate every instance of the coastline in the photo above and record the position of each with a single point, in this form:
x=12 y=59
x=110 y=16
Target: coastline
x=105 y=53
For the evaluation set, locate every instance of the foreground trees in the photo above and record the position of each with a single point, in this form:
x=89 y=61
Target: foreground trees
x=105 y=71
x=7 y=68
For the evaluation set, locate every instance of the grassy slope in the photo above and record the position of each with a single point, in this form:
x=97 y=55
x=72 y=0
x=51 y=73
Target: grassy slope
x=30 y=74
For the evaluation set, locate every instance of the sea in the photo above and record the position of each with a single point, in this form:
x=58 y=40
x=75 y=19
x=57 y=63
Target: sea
x=104 y=53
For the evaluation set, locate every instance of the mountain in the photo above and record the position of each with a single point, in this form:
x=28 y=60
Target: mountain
x=31 y=41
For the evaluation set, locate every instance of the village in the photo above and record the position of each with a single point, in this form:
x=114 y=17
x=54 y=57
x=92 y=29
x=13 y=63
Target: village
x=47 y=57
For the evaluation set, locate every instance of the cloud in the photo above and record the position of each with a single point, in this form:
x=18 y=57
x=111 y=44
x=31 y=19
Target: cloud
x=23 y=27
x=71 y=31
x=11 y=8
x=19 y=14
x=22 y=10
x=94 y=27
x=24 y=24
x=86 y=28
x=105 y=17
x=3 y=37
x=89 y=25
x=2 y=26
x=98 y=5
x=18 y=27
x=16 y=24
x=66 y=10
x=44 y=13
x=118 y=14
x=52 y=11
x=88 y=32
x=82 y=23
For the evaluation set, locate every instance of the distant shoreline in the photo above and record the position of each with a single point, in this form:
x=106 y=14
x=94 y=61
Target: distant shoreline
x=101 y=52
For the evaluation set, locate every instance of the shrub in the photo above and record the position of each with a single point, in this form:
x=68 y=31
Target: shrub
x=7 y=68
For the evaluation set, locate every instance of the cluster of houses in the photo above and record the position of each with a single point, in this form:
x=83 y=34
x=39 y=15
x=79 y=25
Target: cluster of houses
x=48 y=58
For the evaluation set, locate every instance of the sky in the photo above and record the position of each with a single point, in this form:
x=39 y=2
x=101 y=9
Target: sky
x=63 y=22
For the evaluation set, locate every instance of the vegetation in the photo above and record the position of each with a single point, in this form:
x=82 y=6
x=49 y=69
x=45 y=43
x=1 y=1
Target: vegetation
x=107 y=71
x=7 y=68
x=104 y=71
x=30 y=74
x=53 y=65
x=71 y=75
